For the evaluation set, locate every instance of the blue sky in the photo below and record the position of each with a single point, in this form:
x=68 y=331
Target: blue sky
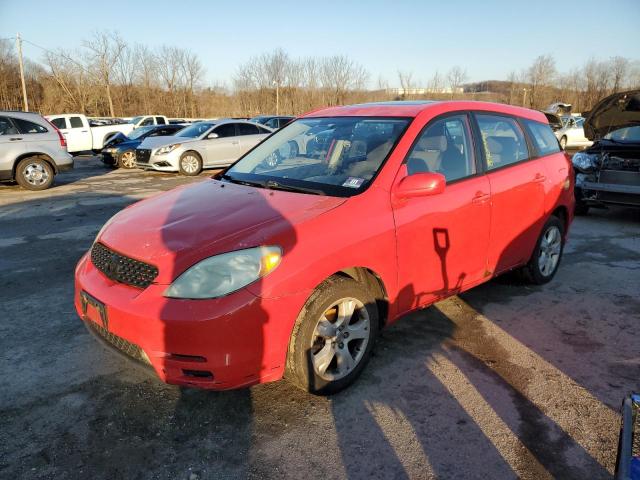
x=488 y=38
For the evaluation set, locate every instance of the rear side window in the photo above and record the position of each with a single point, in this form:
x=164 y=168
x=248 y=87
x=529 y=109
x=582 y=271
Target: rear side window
x=502 y=140
x=444 y=147
x=160 y=121
x=544 y=140
x=247 y=129
x=263 y=130
x=76 y=122
x=59 y=123
x=26 y=126
x=6 y=127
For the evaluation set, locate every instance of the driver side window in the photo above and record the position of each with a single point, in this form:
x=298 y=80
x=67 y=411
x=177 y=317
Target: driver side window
x=444 y=147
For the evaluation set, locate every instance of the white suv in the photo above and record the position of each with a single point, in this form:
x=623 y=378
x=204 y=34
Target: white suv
x=32 y=150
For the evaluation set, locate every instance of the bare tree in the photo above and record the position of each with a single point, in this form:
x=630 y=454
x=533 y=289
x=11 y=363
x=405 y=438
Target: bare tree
x=456 y=77
x=105 y=50
x=619 y=71
x=407 y=83
x=540 y=75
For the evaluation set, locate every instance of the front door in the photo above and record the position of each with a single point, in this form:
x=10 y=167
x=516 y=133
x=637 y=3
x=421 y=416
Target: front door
x=224 y=149
x=78 y=135
x=442 y=240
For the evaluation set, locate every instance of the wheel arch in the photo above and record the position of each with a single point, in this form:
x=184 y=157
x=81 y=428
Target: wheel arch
x=562 y=214
x=40 y=155
x=372 y=280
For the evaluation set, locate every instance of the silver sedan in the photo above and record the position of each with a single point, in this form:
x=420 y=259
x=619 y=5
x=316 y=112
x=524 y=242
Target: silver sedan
x=208 y=144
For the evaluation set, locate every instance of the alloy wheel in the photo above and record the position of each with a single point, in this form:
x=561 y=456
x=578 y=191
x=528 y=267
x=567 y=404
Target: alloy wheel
x=340 y=339
x=189 y=164
x=550 y=248
x=129 y=159
x=35 y=174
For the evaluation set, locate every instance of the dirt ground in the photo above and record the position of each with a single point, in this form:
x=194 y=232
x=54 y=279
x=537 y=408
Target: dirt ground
x=505 y=381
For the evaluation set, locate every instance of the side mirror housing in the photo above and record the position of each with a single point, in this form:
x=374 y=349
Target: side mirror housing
x=212 y=135
x=421 y=185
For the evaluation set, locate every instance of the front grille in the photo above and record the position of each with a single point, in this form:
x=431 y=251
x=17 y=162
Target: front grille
x=122 y=269
x=123 y=346
x=143 y=155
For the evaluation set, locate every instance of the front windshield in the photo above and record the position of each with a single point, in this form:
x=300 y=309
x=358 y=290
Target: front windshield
x=195 y=130
x=331 y=156
x=140 y=132
x=135 y=120
x=626 y=134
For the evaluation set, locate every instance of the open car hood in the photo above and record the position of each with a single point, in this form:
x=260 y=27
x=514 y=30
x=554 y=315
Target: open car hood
x=616 y=111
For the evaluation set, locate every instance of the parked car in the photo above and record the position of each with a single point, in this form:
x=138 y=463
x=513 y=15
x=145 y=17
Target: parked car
x=82 y=136
x=210 y=144
x=32 y=150
x=274 y=122
x=293 y=269
x=148 y=120
x=120 y=150
x=571 y=135
x=608 y=172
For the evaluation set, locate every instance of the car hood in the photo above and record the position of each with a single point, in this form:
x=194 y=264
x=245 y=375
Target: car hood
x=155 y=142
x=117 y=139
x=616 y=111
x=176 y=229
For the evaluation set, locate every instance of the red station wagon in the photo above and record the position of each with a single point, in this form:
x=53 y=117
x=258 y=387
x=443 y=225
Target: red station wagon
x=289 y=262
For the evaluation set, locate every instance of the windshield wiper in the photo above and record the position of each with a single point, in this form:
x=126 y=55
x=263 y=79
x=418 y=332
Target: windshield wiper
x=272 y=184
x=242 y=182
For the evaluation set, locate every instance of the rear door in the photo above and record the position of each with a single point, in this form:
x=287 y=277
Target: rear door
x=11 y=147
x=250 y=135
x=78 y=135
x=222 y=150
x=517 y=191
x=442 y=240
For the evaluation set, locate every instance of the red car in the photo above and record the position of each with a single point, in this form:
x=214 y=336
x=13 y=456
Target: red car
x=290 y=261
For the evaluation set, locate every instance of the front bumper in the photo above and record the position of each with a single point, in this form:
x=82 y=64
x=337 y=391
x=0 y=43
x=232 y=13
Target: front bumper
x=162 y=163
x=610 y=186
x=229 y=342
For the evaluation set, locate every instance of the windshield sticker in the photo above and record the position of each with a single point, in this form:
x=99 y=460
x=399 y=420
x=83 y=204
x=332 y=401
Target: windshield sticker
x=353 y=182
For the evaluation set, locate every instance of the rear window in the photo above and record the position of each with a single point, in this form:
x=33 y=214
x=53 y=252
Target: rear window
x=26 y=126
x=543 y=138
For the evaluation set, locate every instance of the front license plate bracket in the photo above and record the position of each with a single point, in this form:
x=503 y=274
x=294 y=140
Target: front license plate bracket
x=86 y=300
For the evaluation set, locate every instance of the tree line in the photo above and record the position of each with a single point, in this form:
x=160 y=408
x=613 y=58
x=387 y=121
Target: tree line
x=106 y=76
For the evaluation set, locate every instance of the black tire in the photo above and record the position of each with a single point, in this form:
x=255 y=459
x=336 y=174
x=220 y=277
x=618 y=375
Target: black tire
x=185 y=169
x=300 y=367
x=125 y=158
x=533 y=272
x=34 y=173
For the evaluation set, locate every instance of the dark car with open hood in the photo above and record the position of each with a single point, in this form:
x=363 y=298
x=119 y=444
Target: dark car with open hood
x=608 y=172
x=120 y=150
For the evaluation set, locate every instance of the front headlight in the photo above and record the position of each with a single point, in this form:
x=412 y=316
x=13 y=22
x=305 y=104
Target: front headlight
x=223 y=274
x=167 y=149
x=585 y=161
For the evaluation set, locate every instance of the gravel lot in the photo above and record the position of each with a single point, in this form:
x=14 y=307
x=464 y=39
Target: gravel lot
x=504 y=381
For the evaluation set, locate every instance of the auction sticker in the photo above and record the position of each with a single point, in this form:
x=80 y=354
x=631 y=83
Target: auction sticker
x=353 y=182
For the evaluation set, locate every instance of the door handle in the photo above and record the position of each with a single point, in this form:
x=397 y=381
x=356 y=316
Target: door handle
x=13 y=139
x=539 y=178
x=235 y=143
x=84 y=131
x=480 y=197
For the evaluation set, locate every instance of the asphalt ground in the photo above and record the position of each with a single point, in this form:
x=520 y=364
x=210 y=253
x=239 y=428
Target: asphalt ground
x=504 y=381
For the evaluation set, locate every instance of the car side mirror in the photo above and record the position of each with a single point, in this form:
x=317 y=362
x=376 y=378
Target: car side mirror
x=421 y=185
x=212 y=135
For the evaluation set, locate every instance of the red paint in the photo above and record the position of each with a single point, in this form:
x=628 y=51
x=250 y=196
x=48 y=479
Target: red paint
x=422 y=248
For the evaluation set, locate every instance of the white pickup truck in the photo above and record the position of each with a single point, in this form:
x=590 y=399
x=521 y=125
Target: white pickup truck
x=84 y=135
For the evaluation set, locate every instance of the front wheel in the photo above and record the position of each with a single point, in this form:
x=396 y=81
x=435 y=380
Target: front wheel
x=34 y=173
x=546 y=257
x=127 y=159
x=190 y=164
x=333 y=337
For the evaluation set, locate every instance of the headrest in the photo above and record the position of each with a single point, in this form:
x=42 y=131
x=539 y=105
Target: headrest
x=499 y=144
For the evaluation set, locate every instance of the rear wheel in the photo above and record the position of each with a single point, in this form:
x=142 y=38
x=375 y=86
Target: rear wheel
x=127 y=159
x=546 y=257
x=34 y=173
x=190 y=164
x=333 y=337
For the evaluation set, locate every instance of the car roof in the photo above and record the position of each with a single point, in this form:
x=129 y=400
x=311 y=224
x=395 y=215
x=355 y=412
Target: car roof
x=415 y=107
